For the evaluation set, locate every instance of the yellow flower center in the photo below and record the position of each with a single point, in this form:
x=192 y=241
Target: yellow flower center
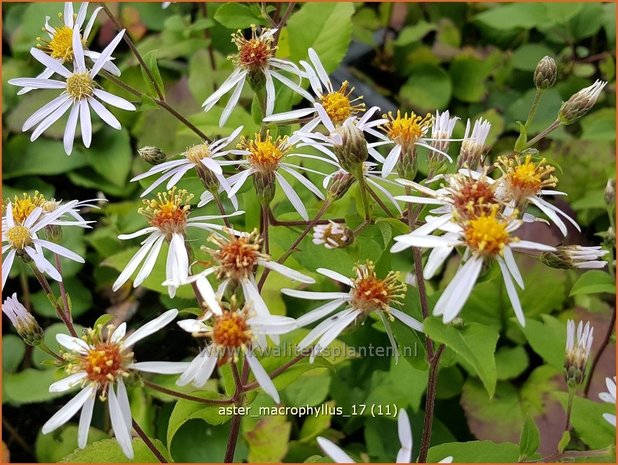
x=406 y=130
x=19 y=237
x=265 y=153
x=486 y=234
x=197 y=153
x=526 y=178
x=61 y=44
x=169 y=211
x=254 y=53
x=103 y=363
x=237 y=256
x=371 y=293
x=24 y=205
x=80 y=85
x=339 y=106
x=231 y=330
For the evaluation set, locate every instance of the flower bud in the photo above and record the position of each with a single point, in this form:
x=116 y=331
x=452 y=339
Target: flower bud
x=332 y=235
x=152 y=155
x=23 y=321
x=545 y=73
x=577 y=352
x=575 y=256
x=473 y=145
x=53 y=232
x=580 y=103
x=340 y=183
x=407 y=166
x=350 y=147
x=610 y=193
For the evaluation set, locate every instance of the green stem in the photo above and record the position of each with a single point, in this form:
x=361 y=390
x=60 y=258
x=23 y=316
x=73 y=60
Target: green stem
x=182 y=395
x=534 y=107
x=556 y=124
x=363 y=190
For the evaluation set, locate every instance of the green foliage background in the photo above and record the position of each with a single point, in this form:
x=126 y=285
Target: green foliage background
x=474 y=59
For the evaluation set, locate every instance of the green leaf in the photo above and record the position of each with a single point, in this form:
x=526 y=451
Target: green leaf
x=268 y=440
x=150 y=59
x=49 y=337
x=588 y=422
x=13 y=350
x=468 y=76
x=29 y=386
x=474 y=343
x=186 y=410
x=517 y=15
x=527 y=56
x=564 y=441
x=309 y=389
x=238 y=16
x=80 y=297
x=511 y=362
x=594 y=282
x=53 y=447
x=428 y=88
x=475 y=452
x=329 y=37
x=530 y=438
x=600 y=125
x=108 y=451
x=410 y=34
x=315 y=425
x=520 y=143
x=547 y=338
x=42 y=157
x=110 y=155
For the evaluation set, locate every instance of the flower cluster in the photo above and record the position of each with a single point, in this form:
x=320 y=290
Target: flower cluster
x=471 y=208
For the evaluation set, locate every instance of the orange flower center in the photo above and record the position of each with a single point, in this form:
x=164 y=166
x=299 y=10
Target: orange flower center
x=486 y=234
x=169 y=211
x=473 y=198
x=371 y=293
x=104 y=363
x=231 y=330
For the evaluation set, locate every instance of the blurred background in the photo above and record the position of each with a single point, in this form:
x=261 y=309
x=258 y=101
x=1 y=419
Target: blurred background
x=473 y=59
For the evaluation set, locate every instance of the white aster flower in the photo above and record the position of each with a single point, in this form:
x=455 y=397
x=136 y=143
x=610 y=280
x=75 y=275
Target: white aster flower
x=205 y=158
x=265 y=158
x=473 y=144
x=24 y=322
x=60 y=43
x=230 y=333
x=169 y=218
x=79 y=94
x=576 y=256
x=577 y=350
x=580 y=103
x=236 y=260
x=486 y=237
x=609 y=397
x=406 y=132
x=367 y=294
x=442 y=130
x=21 y=238
x=525 y=181
x=405 y=439
x=329 y=106
x=99 y=365
x=332 y=235
x=256 y=62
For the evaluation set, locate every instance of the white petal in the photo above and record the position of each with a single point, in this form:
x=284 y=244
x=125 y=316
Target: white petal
x=122 y=434
x=58 y=249
x=391 y=160
x=163 y=368
x=7 y=263
x=512 y=293
x=114 y=100
x=460 y=289
x=334 y=452
x=292 y=197
x=232 y=102
x=51 y=119
x=67 y=383
x=262 y=377
x=104 y=113
x=38 y=83
x=151 y=327
x=78 y=50
x=253 y=297
x=336 y=276
x=310 y=295
x=123 y=402
x=272 y=324
x=318 y=67
x=531 y=246
x=106 y=54
x=230 y=82
x=405 y=437
x=270 y=93
x=406 y=319
x=74 y=344
x=286 y=271
x=149 y=262
x=135 y=261
x=44 y=111
x=289 y=115
x=51 y=63
x=69 y=410
x=334 y=331
x=84 y=422
x=86 y=123
x=319 y=312
x=511 y=264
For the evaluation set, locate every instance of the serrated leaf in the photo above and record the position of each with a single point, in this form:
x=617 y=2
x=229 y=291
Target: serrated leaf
x=474 y=343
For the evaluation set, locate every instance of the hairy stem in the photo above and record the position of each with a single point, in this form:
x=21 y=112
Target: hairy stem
x=182 y=395
x=156 y=452
x=533 y=107
x=235 y=424
x=556 y=124
x=430 y=401
x=63 y=292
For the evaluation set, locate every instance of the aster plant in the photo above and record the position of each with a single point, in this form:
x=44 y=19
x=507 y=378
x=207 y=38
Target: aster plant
x=425 y=236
